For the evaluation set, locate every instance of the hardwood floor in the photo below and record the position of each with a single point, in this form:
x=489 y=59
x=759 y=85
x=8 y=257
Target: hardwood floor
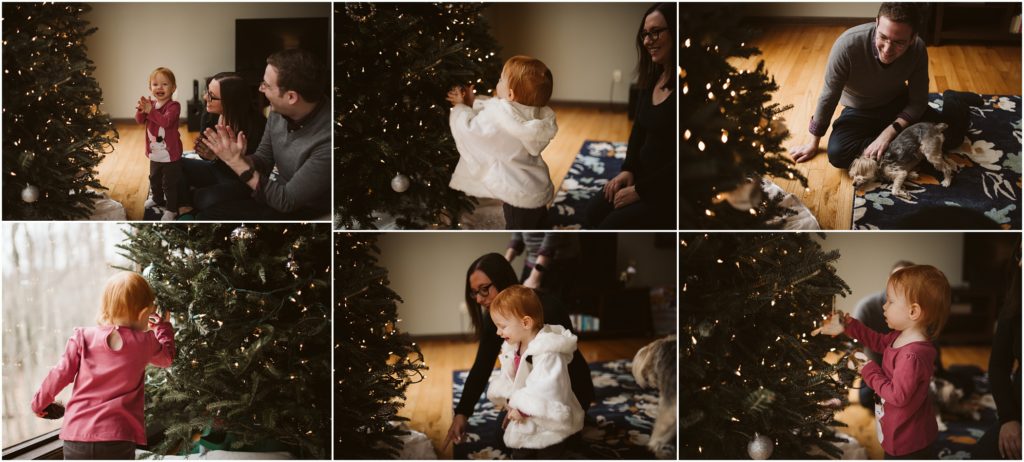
x=125 y=171
x=428 y=404
x=861 y=421
x=796 y=56
x=576 y=125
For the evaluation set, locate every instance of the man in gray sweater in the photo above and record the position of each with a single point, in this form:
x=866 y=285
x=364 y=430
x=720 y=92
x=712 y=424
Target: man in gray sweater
x=296 y=143
x=879 y=72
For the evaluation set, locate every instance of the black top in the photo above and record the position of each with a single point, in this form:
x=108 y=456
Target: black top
x=490 y=346
x=651 y=154
x=1006 y=348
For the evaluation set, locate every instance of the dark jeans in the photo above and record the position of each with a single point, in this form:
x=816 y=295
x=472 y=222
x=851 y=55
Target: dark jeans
x=213 y=183
x=519 y=218
x=553 y=452
x=988 y=446
x=928 y=453
x=163 y=180
x=602 y=214
x=117 y=450
x=856 y=129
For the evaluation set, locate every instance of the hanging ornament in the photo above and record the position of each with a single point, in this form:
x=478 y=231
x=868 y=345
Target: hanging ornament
x=30 y=194
x=243 y=234
x=360 y=12
x=760 y=447
x=400 y=183
x=147 y=272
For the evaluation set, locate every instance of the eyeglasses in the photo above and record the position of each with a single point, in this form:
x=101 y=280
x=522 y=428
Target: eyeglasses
x=209 y=96
x=897 y=44
x=653 y=34
x=481 y=291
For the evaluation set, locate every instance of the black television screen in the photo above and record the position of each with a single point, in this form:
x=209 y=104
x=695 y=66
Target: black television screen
x=256 y=39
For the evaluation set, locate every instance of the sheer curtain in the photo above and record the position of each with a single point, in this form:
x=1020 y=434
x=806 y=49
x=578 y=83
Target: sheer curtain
x=53 y=275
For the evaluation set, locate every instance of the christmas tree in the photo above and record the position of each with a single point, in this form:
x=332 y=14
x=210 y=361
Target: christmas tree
x=755 y=379
x=250 y=306
x=54 y=133
x=375 y=362
x=732 y=134
x=395 y=62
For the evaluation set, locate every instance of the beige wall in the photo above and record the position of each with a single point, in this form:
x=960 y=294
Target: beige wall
x=582 y=43
x=194 y=40
x=813 y=10
x=428 y=270
x=866 y=258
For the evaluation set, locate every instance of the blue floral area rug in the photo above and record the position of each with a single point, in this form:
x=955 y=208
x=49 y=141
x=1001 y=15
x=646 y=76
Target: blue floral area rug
x=597 y=162
x=988 y=183
x=617 y=425
x=960 y=436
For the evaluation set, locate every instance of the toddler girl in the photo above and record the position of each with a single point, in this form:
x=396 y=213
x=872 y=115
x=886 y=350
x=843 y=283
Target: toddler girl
x=104 y=419
x=916 y=308
x=534 y=380
x=163 y=142
x=500 y=141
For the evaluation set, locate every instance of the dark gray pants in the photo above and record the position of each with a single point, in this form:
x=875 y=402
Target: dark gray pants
x=163 y=180
x=553 y=452
x=99 y=450
x=525 y=219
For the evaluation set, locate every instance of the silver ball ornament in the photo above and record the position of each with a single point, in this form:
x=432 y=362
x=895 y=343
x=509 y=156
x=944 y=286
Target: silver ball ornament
x=30 y=194
x=147 y=272
x=243 y=234
x=400 y=183
x=760 y=447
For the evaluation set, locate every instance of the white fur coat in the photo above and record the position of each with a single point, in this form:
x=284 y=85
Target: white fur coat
x=499 y=143
x=540 y=390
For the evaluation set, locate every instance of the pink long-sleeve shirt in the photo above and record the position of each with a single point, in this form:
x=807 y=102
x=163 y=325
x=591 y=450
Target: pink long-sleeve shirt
x=907 y=419
x=109 y=392
x=165 y=117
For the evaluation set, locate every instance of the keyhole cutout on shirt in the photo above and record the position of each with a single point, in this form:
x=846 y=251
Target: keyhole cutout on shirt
x=114 y=340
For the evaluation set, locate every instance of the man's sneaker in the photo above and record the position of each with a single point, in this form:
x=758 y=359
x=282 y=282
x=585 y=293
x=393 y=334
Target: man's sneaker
x=169 y=216
x=149 y=203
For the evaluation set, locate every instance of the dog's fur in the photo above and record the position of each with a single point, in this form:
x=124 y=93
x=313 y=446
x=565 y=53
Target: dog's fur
x=921 y=141
x=654 y=366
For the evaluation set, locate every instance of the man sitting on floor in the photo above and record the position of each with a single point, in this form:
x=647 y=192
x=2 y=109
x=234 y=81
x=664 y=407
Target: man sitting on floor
x=879 y=72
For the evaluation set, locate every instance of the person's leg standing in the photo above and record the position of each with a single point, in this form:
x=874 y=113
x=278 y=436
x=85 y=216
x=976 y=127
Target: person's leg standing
x=156 y=182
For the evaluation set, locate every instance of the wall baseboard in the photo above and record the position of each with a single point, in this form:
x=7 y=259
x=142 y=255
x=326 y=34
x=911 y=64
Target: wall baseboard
x=806 y=20
x=604 y=106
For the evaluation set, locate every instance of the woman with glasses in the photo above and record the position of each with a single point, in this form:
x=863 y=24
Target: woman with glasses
x=643 y=195
x=487 y=276
x=232 y=102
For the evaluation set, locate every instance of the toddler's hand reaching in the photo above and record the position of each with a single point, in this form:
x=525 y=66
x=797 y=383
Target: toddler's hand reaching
x=145 y=105
x=832 y=326
x=155 y=318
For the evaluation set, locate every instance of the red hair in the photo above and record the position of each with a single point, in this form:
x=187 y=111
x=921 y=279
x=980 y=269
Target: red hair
x=929 y=288
x=529 y=79
x=124 y=297
x=518 y=301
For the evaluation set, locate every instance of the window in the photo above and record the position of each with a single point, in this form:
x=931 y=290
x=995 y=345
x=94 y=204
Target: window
x=53 y=275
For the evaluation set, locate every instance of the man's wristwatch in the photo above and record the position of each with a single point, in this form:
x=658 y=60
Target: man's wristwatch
x=247 y=175
x=896 y=126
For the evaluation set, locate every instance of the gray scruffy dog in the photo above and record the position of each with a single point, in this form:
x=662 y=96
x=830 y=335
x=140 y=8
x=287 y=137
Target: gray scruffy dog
x=655 y=366
x=921 y=141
